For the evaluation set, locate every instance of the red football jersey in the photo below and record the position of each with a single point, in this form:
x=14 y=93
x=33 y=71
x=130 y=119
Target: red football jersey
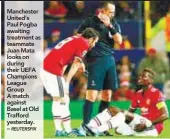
x=64 y=53
x=147 y=102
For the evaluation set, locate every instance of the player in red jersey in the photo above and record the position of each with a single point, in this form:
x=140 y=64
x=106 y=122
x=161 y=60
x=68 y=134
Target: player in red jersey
x=153 y=112
x=70 y=50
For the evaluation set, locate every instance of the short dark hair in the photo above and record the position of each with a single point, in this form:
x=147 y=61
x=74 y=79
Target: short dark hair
x=90 y=33
x=150 y=71
x=104 y=4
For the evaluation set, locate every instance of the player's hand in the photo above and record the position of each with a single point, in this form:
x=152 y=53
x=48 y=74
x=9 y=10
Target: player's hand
x=75 y=65
x=140 y=127
x=104 y=18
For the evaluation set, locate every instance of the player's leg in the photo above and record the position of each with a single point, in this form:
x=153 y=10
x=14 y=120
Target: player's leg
x=123 y=121
x=95 y=83
x=105 y=99
x=132 y=120
x=100 y=119
x=59 y=99
x=109 y=118
x=50 y=83
x=91 y=96
x=65 y=115
x=110 y=83
x=137 y=119
x=124 y=129
x=65 y=105
x=63 y=111
x=63 y=108
x=116 y=120
x=57 y=117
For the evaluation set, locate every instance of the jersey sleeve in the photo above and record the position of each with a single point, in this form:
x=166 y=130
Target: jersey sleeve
x=84 y=25
x=81 y=49
x=116 y=25
x=81 y=53
x=159 y=96
x=159 y=100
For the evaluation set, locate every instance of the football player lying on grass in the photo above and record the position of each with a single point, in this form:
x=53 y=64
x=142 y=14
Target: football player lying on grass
x=150 y=123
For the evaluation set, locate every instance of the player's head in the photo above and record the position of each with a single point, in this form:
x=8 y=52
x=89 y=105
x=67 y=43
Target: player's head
x=108 y=8
x=91 y=35
x=146 y=77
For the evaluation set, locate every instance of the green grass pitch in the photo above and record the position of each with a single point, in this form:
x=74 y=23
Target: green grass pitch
x=49 y=130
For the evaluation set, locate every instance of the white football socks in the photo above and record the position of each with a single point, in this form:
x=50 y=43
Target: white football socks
x=100 y=119
x=66 y=119
x=61 y=115
x=56 y=115
x=114 y=122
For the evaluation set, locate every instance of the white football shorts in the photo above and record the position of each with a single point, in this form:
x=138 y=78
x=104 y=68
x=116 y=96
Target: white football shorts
x=55 y=85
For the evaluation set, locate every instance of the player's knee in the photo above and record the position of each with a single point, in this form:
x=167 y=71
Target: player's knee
x=106 y=96
x=91 y=98
x=59 y=99
x=91 y=95
x=113 y=110
x=56 y=98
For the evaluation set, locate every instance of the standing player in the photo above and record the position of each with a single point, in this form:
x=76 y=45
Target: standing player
x=100 y=60
x=71 y=49
x=153 y=112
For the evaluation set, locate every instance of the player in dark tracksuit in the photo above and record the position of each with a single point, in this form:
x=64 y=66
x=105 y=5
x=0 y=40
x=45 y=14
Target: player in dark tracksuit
x=101 y=62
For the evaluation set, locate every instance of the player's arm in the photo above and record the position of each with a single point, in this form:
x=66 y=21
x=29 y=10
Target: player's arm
x=76 y=65
x=116 y=33
x=64 y=69
x=133 y=105
x=163 y=116
x=161 y=106
x=81 y=65
x=114 y=30
x=163 y=113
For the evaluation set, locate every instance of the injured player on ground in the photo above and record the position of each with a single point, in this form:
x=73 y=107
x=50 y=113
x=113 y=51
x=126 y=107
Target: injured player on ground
x=125 y=122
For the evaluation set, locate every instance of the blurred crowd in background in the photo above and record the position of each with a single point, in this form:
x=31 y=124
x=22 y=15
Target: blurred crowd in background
x=63 y=16
x=80 y=9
